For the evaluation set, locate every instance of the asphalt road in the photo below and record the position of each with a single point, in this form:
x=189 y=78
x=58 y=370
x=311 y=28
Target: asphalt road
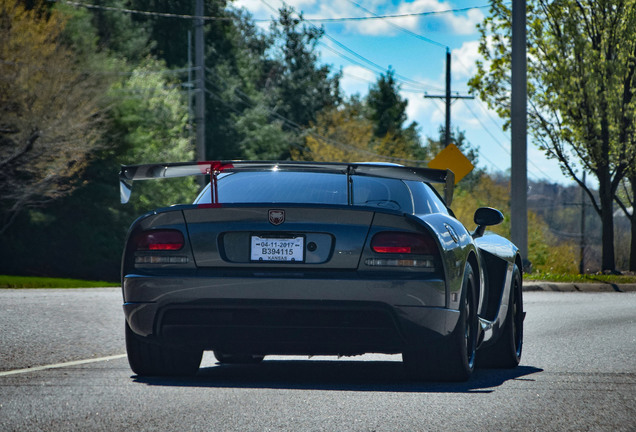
x=578 y=373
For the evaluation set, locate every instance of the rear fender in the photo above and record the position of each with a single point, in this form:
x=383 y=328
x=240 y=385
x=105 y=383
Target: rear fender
x=498 y=257
x=453 y=240
x=168 y=218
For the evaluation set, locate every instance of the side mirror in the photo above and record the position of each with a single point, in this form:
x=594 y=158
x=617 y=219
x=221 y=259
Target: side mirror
x=486 y=216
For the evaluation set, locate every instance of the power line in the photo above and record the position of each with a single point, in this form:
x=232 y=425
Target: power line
x=379 y=68
x=392 y=16
x=144 y=12
x=418 y=36
x=436 y=105
x=424 y=38
x=490 y=116
x=504 y=148
x=213 y=18
x=371 y=63
x=246 y=100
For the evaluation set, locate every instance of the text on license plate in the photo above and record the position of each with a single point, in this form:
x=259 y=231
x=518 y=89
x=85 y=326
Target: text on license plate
x=277 y=249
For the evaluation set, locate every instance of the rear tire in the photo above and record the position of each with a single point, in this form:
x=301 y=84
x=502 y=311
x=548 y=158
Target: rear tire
x=454 y=358
x=227 y=358
x=506 y=352
x=148 y=359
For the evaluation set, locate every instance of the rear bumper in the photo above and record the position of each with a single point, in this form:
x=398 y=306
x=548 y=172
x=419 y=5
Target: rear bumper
x=288 y=315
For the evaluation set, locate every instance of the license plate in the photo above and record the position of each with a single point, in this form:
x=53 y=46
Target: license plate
x=277 y=249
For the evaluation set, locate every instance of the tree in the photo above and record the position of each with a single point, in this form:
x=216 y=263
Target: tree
x=240 y=121
x=118 y=32
x=301 y=87
x=625 y=199
x=346 y=134
x=50 y=109
x=340 y=134
x=387 y=107
x=582 y=77
x=266 y=88
x=148 y=123
x=387 y=110
x=170 y=33
x=262 y=138
x=547 y=253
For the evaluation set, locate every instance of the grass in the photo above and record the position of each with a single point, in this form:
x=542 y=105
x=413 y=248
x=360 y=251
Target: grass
x=43 y=282
x=577 y=278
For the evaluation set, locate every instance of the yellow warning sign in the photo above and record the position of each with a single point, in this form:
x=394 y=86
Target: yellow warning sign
x=453 y=159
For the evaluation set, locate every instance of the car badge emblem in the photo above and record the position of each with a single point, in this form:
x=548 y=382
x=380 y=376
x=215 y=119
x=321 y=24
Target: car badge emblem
x=276 y=217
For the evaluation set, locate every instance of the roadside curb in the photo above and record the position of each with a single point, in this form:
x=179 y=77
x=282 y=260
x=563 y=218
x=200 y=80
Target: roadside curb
x=578 y=287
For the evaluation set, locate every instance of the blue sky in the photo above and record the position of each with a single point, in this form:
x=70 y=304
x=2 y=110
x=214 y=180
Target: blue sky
x=415 y=47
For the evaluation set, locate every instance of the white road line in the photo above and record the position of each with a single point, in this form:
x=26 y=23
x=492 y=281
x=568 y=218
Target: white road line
x=61 y=365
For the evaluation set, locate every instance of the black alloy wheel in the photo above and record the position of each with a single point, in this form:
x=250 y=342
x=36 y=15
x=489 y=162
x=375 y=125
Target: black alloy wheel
x=151 y=359
x=453 y=359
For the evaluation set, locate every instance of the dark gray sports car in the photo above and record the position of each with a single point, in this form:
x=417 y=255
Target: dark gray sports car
x=318 y=259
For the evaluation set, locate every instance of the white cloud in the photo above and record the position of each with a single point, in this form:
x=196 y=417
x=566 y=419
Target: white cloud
x=261 y=10
x=428 y=113
x=460 y=24
x=356 y=79
x=464 y=24
x=463 y=60
x=256 y=7
x=389 y=26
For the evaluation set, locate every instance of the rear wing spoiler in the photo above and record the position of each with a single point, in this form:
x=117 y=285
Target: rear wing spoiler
x=130 y=173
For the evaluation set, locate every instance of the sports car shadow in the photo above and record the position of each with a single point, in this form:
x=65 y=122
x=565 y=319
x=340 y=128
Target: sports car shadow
x=384 y=376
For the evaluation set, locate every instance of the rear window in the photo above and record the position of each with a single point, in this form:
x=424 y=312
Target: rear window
x=309 y=188
x=426 y=199
x=382 y=192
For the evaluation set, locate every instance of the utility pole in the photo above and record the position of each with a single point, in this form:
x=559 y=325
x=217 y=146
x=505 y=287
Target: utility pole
x=199 y=59
x=190 y=86
x=448 y=98
x=518 y=132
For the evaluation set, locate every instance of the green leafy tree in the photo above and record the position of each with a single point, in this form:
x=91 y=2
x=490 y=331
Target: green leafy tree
x=304 y=87
x=627 y=202
x=234 y=59
x=149 y=124
x=547 y=253
x=261 y=137
x=340 y=134
x=170 y=33
x=117 y=32
x=300 y=87
x=582 y=77
x=239 y=120
x=146 y=123
x=50 y=112
x=387 y=108
x=387 y=111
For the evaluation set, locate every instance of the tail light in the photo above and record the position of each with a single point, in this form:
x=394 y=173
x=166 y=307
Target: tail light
x=158 y=240
x=397 y=242
x=404 y=243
